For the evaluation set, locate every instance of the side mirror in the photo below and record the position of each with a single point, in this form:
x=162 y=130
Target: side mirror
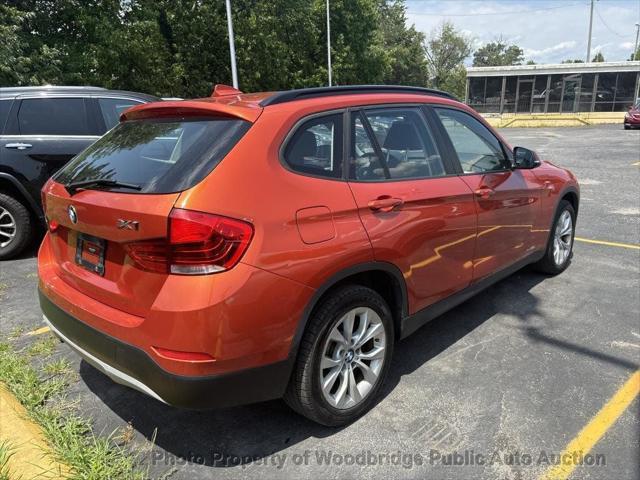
x=525 y=159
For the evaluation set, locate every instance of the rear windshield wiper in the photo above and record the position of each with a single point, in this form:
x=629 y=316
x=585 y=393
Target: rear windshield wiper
x=100 y=182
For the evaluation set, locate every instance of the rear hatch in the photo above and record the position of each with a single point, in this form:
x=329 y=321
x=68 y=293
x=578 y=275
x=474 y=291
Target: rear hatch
x=109 y=209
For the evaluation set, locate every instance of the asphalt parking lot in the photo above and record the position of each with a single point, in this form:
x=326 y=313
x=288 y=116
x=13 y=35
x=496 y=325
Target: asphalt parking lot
x=516 y=372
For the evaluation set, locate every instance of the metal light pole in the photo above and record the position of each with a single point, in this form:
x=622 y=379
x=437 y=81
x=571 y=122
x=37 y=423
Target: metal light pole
x=635 y=50
x=590 y=29
x=232 y=46
x=328 y=44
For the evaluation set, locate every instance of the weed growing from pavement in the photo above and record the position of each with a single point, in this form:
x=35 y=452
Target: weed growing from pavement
x=70 y=435
x=44 y=346
x=6 y=452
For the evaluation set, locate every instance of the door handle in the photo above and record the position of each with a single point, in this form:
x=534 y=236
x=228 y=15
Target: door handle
x=484 y=192
x=18 y=146
x=385 y=203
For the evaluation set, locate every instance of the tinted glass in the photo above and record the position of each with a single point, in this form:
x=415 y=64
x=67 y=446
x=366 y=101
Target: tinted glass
x=161 y=156
x=5 y=106
x=53 y=116
x=316 y=147
x=478 y=150
x=111 y=108
x=406 y=146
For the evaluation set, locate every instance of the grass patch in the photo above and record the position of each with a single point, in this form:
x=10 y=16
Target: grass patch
x=6 y=452
x=44 y=346
x=70 y=436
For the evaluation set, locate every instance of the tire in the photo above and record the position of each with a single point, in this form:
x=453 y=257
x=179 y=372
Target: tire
x=627 y=127
x=305 y=394
x=549 y=263
x=13 y=212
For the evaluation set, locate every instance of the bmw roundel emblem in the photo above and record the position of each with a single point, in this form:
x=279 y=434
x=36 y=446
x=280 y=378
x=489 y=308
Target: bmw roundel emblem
x=73 y=216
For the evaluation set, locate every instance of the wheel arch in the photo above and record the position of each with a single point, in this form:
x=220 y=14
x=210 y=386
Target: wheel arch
x=383 y=277
x=10 y=185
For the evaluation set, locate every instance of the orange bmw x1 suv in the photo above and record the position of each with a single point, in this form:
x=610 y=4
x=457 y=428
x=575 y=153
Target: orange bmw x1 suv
x=246 y=247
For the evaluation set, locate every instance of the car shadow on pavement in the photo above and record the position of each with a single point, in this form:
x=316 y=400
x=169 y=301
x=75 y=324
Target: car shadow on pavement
x=218 y=438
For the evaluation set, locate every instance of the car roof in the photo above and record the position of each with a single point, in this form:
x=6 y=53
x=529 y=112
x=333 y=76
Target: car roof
x=230 y=102
x=55 y=90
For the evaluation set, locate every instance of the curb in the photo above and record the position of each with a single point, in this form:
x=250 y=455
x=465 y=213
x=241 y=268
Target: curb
x=32 y=458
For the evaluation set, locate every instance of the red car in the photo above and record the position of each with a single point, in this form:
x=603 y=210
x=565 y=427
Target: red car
x=246 y=247
x=632 y=117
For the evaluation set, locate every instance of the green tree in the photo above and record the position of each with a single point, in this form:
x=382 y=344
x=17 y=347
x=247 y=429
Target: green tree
x=446 y=51
x=572 y=61
x=403 y=46
x=498 y=53
x=598 y=57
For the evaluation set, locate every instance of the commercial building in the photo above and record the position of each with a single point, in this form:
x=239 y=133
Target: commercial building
x=554 y=88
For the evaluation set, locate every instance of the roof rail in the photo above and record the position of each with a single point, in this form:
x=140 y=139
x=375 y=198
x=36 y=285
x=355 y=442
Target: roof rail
x=303 y=93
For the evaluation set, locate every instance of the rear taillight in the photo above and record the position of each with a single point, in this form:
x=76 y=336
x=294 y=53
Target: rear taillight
x=197 y=243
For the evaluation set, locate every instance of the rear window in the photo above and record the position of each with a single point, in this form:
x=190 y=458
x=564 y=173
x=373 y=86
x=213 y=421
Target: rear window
x=160 y=156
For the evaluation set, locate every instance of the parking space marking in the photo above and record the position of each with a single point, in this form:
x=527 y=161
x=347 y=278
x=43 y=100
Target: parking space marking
x=633 y=246
x=595 y=429
x=39 y=331
x=637 y=164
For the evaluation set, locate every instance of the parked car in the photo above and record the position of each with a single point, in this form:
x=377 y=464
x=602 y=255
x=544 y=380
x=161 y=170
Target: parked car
x=42 y=128
x=632 y=117
x=246 y=247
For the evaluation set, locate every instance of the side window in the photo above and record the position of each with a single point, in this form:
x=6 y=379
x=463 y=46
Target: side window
x=478 y=150
x=5 y=106
x=53 y=116
x=401 y=146
x=316 y=147
x=111 y=108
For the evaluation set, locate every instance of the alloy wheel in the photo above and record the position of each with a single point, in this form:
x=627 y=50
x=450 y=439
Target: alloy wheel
x=8 y=227
x=352 y=358
x=563 y=238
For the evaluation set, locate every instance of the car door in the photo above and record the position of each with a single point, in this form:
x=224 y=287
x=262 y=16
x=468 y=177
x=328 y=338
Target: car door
x=418 y=214
x=42 y=134
x=507 y=200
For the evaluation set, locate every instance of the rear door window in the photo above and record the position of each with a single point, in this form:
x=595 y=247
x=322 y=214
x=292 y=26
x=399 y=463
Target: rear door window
x=111 y=108
x=53 y=116
x=159 y=156
x=316 y=147
x=393 y=144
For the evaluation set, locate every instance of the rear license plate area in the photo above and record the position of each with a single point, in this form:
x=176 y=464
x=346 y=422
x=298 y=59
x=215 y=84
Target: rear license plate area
x=90 y=252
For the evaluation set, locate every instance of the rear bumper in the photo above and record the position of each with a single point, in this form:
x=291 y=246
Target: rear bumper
x=131 y=366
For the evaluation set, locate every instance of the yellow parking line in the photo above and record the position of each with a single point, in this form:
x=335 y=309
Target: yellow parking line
x=637 y=164
x=610 y=244
x=595 y=429
x=40 y=331
x=33 y=458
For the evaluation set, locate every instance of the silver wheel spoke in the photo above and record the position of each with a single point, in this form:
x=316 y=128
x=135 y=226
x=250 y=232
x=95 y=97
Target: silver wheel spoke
x=369 y=375
x=341 y=394
x=354 y=393
x=330 y=379
x=8 y=227
x=328 y=362
x=347 y=325
x=376 y=354
x=372 y=332
x=337 y=337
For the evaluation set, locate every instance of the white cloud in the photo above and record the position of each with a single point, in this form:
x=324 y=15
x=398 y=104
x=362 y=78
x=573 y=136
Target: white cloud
x=560 y=47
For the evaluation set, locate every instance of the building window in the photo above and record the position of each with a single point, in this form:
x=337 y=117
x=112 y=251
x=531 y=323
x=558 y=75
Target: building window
x=586 y=92
x=625 y=91
x=540 y=93
x=509 y=105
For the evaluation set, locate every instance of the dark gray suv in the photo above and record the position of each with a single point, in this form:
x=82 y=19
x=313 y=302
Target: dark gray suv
x=41 y=129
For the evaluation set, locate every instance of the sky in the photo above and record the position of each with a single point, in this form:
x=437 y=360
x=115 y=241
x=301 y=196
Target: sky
x=548 y=31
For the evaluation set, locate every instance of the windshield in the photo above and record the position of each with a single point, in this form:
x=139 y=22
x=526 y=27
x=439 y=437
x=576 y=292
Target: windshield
x=159 y=156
